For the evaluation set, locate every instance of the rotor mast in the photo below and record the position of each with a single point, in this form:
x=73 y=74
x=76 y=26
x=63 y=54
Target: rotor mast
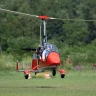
x=45 y=33
x=43 y=21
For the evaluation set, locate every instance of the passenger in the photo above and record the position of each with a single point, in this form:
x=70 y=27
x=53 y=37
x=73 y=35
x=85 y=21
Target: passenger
x=43 y=55
x=47 y=51
x=40 y=51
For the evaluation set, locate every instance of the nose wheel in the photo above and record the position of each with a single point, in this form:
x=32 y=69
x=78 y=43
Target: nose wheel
x=62 y=76
x=26 y=76
x=54 y=72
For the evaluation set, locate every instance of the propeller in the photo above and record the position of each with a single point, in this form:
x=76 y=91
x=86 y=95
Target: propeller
x=28 y=49
x=43 y=17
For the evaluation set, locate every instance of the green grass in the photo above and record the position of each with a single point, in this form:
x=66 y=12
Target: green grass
x=76 y=83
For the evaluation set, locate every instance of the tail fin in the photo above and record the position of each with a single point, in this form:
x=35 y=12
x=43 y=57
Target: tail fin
x=17 y=66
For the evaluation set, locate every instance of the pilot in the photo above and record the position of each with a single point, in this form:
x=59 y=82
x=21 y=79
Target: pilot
x=40 y=50
x=45 y=53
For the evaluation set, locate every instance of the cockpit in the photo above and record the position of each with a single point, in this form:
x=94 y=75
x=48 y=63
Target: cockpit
x=51 y=47
x=48 y=48
x=45 y=49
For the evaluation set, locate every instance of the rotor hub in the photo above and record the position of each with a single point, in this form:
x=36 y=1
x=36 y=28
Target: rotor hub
x=44 y=17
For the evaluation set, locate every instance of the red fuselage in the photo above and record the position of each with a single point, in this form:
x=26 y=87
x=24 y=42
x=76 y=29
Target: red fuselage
x=53 y=59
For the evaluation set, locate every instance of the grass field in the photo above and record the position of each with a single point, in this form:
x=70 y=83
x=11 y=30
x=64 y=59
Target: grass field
x=76 y=83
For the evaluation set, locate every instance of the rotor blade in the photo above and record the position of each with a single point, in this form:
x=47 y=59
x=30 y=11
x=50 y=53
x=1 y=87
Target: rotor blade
x=45 y=17
x=15 y=12
x=28 y=49
x=74 y=19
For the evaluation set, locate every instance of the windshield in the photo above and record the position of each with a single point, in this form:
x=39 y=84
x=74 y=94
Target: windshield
x=47 y=48
x=52 y=47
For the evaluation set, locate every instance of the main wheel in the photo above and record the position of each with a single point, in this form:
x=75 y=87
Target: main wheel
x=35 y=73
x=54 y=72
x=26 y=76
x=62 y=76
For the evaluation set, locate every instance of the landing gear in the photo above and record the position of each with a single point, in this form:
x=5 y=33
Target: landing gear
x=54 y=72
x=62 y=73
x=35 y=73
x=26 y=76
x=62 y=76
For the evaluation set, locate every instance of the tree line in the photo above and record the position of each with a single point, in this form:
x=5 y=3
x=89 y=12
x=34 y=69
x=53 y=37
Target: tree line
x=17 y=31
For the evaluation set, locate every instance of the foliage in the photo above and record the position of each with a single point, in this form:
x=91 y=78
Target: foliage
x=6 y=62
x=15 y=26
x=71 y=37
x=85 y=55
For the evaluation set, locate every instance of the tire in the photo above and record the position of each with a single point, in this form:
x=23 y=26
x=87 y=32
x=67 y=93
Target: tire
x=26 y=76
x=35 y=73
x=54 y=72
x=62 y=76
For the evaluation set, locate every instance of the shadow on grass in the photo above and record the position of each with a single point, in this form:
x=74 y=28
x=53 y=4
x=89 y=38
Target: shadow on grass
x=28 y=87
